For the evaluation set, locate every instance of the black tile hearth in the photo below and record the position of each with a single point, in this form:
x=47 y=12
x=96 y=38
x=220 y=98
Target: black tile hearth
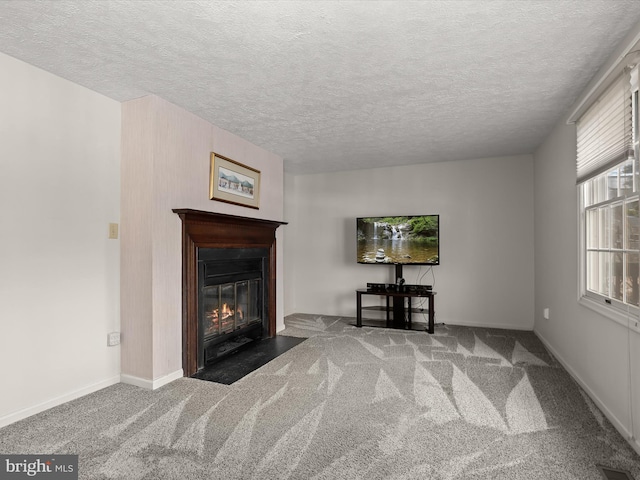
x=247 y=359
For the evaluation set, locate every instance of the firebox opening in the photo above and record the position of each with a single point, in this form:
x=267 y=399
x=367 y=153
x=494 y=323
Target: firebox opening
x=232 y=307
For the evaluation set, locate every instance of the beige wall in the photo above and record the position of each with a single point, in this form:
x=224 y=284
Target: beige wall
x=165 y=165
x=59 y=272
x=486 y=231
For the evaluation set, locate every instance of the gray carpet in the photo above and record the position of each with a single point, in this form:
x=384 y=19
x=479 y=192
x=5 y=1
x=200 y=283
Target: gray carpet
x=465 y=403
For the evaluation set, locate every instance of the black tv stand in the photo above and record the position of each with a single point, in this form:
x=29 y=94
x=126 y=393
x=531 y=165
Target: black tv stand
x=398 y=310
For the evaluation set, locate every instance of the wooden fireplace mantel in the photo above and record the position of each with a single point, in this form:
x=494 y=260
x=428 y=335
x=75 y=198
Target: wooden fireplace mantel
x=202 y=229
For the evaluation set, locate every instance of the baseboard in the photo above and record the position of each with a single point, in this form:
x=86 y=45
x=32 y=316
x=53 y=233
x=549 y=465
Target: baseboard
x=54 y=402
x=151 y=384
x=500 y=326
x=635 y=444
x=619 y=426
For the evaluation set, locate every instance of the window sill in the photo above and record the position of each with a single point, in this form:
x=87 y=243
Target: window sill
x=628 y=320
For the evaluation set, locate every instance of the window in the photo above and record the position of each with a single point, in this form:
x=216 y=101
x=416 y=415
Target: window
x=609 y=186
x=612 y=233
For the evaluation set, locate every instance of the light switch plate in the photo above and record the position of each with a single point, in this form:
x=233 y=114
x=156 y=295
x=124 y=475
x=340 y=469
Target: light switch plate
x=113 y=230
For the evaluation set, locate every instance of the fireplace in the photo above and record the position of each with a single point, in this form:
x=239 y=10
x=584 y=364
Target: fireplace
x=228 y=284
x=231 y=300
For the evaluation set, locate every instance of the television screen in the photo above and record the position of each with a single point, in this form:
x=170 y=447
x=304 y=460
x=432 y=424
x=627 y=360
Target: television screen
x=408 y=240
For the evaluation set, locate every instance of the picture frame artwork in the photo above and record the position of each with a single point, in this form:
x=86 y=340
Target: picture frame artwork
x=233 y=182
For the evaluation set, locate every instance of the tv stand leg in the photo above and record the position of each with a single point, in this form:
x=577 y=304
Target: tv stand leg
x=388 y=314
x=431 y=328
x=398 y=312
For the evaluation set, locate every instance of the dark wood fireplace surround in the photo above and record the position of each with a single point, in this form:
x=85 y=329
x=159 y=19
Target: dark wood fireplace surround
x=214 y=230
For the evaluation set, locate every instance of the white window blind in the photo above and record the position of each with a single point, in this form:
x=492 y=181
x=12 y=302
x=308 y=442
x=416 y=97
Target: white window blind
x=605 y=132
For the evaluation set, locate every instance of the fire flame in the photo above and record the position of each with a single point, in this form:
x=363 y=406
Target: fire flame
x=224 y=317
x=226 y=311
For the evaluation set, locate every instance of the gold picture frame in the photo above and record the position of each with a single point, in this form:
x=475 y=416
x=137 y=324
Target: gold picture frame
x=233 y=182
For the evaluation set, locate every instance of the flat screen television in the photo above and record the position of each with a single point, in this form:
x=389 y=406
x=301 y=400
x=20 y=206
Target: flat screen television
x=406 y=240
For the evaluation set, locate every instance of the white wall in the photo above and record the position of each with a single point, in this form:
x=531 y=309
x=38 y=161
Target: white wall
x=59 y=273
x=602 y=355
x=486 y=230
x=593 y=348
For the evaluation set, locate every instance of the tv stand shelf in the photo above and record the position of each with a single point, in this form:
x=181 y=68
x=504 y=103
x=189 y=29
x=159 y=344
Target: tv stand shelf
x=380 y=308
x=399 y=309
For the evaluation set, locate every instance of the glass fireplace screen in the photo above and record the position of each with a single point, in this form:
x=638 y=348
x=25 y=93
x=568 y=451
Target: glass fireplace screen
x=230 y=306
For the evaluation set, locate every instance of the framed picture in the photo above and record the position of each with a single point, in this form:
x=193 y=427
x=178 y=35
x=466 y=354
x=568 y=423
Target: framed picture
x=232 y=182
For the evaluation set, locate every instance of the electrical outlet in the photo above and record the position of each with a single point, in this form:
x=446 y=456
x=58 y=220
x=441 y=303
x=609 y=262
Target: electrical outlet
x=113 y=230
x=113 y=339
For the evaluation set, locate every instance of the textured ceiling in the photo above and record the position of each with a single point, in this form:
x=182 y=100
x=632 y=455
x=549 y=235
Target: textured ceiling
x=335 y=86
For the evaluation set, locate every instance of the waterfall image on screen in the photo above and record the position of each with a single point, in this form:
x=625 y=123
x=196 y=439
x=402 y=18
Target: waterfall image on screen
x=407 y=240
